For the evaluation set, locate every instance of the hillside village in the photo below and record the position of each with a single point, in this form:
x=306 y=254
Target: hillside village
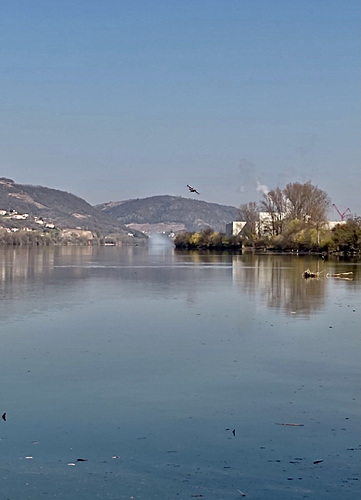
x=40 y=215
x=13 y=215
x=32 y=229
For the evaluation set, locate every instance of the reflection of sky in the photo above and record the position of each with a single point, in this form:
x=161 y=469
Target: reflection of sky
x=152 y=357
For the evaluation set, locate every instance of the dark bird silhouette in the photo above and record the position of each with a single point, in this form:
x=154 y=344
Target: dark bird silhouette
x=192 y=189
x=3 y=416
x=234 y=432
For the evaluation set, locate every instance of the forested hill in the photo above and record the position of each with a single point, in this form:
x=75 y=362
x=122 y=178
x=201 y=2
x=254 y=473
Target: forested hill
x=172 y=212
x=63 y=209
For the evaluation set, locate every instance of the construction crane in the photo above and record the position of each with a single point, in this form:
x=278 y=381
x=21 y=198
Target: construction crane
x=342 y=215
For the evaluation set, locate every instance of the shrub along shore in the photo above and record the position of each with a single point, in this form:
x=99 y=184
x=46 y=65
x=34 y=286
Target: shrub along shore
x=344 y=239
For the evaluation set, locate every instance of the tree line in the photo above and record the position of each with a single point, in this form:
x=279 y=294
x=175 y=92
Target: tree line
x=207 y=239
x=290 y=219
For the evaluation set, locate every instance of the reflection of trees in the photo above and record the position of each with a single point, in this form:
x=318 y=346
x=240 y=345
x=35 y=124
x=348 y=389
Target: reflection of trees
x=276 y=280
x=206 y=256
x=279 y=282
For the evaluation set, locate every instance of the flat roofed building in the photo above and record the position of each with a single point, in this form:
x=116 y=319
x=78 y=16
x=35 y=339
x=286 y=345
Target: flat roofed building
x=235 y=228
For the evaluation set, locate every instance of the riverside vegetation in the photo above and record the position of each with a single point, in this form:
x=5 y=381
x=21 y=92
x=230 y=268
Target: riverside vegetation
x=207 y=239
x=345 y=239
x=296 y=220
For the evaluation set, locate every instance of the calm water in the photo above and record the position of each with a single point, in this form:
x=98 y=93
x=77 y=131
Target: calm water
x=143 y=361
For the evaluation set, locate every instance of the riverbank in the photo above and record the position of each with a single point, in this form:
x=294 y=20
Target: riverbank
x=342 y=240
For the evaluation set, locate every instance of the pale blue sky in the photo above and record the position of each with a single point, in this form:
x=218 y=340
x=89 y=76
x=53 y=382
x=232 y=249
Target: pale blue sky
x=118 y=99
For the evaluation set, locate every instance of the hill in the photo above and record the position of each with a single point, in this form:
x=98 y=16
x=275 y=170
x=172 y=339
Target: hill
x=170 y=214
x=60 y=208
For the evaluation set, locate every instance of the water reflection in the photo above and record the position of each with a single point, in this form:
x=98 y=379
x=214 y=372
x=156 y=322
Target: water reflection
x=154 y=356
x=279 y=282
x=276 y=280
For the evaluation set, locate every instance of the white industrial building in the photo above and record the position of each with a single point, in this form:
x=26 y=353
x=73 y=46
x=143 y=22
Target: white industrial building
x=264 y=225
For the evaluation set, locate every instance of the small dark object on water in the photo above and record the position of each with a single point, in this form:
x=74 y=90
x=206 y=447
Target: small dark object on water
x=309 y=274
x=3 y=416
x=81 y=460
x=317 y=461
x=234 y=432
x=292 y=425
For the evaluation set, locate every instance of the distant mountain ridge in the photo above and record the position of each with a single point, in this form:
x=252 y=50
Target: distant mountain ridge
x=63 y=209
x=162 y=213
x=170 y=213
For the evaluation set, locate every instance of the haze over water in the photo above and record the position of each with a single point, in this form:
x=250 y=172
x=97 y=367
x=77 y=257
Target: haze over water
x=176 y=375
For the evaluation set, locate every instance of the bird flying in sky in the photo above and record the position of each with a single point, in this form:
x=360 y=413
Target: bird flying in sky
x=192 y=189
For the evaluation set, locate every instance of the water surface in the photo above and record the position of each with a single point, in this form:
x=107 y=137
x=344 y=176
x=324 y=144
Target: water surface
x=142 y=361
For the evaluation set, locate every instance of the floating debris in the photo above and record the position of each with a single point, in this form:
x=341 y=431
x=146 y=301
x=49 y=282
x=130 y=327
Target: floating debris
x=317 y=461
x=71 y=463
x=115 y=456
x=310 y=274
x=28 y=458
x=3 y=416
x=340 y=276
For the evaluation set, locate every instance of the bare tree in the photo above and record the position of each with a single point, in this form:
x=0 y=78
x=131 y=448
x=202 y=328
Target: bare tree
x=249 y=213
x=307 y=203
x=275 y=203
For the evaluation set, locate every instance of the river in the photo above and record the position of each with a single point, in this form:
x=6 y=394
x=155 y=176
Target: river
x=147 y=373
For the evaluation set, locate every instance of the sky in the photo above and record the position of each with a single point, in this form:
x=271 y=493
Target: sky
x=119 y=99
